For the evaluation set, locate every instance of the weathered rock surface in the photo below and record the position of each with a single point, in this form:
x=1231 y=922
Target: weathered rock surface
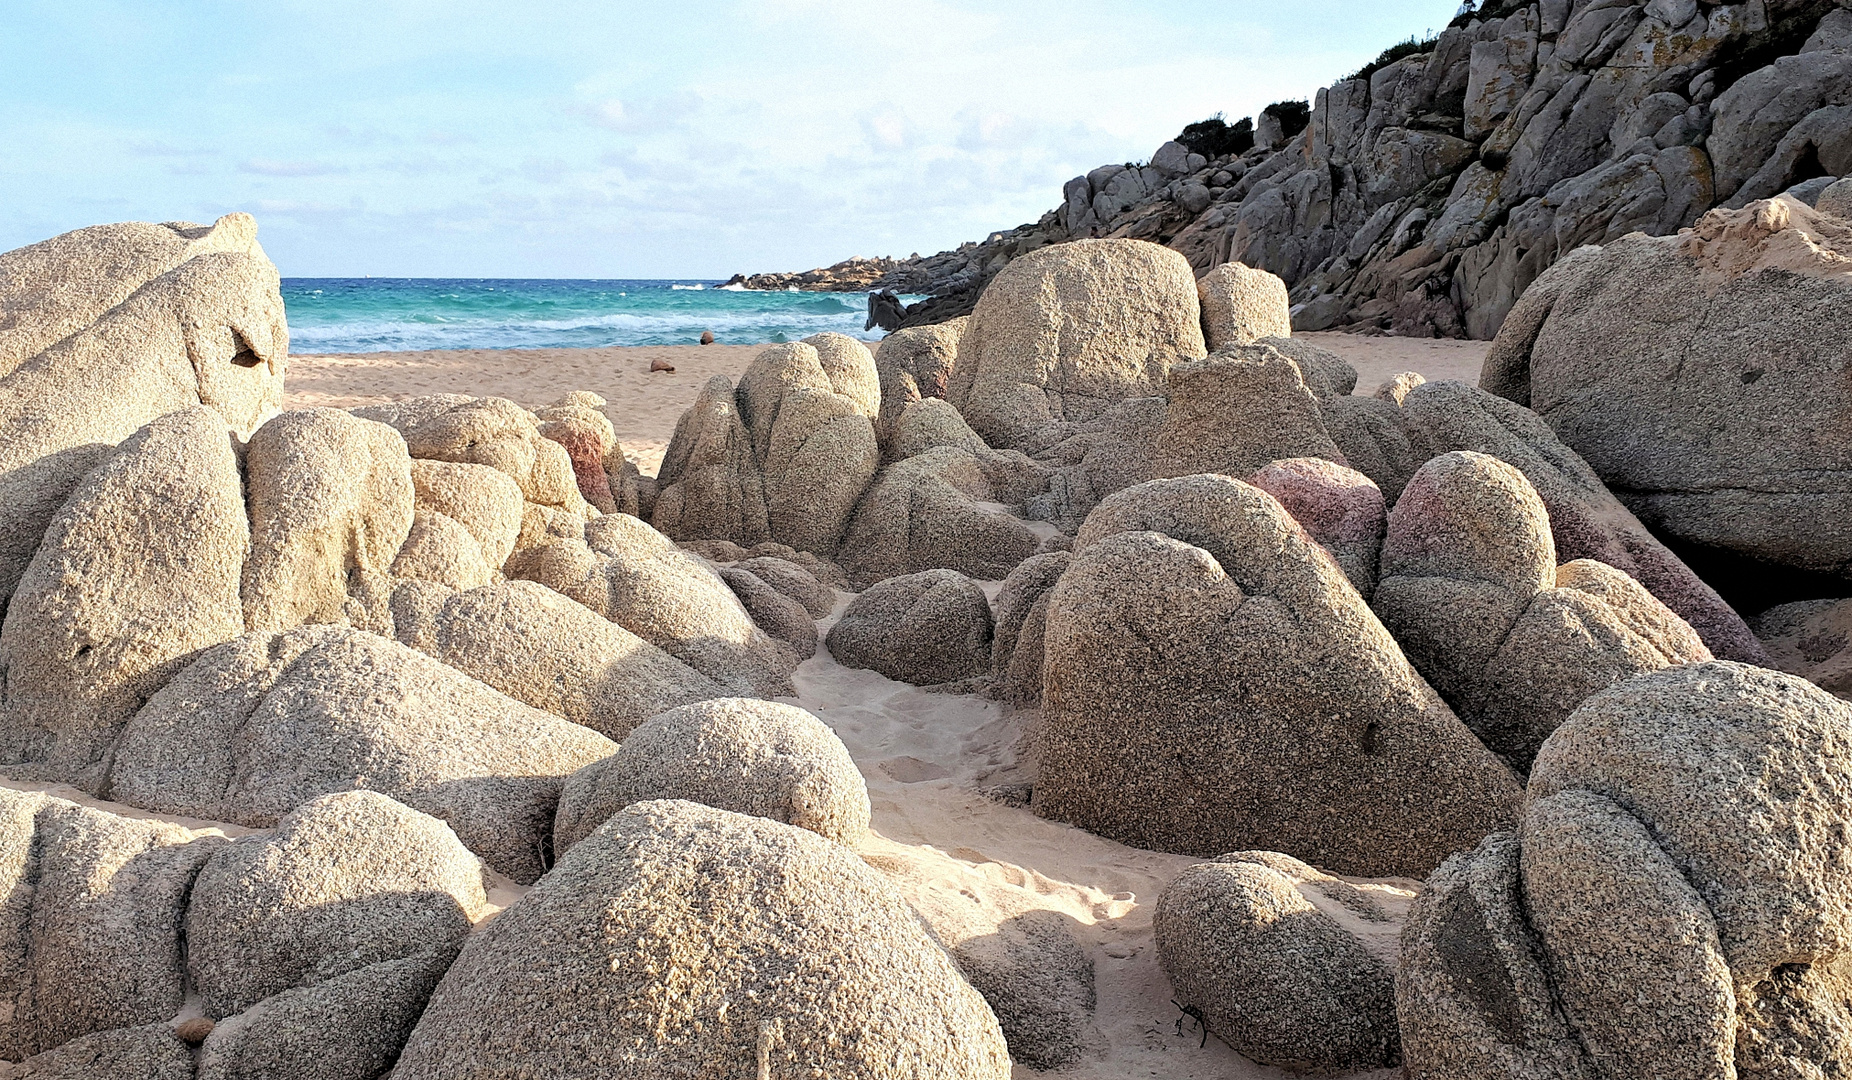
x=92 y=938
x=925 y=628
x=330 y=498
x=943 y=509
x=1809 y=639
x=775 y=613
x=1586 y=520
x=136 y=573
x=484 y=500
x=259 y=725
x=348 y=880
x=793 y=581
x=786 y=943
x=1068 y=332
x=1242 y=305
x=108 y=328
x=637 y=578
x=150 y=1052
x=1678 y=872
x=1271 y=974
x=1214 y=683
x=912 y=364
x=1514 y=642
x=751 y=757
x=1237 y=410
x=550 y=652
x=1701 y=378
x=1340 y=508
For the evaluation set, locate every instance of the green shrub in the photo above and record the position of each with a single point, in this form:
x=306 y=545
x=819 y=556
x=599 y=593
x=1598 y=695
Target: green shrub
x=1292 y=115
x=1401 y=49
x=1214 y=137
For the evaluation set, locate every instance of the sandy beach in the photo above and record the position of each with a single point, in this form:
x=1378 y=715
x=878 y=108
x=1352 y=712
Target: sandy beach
x=644 y=405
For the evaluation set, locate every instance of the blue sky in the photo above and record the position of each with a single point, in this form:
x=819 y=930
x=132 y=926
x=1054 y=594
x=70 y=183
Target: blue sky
x=566 y=139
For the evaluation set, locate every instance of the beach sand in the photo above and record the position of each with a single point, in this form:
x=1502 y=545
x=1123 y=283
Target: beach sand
x=972 y=862
x=644 y=405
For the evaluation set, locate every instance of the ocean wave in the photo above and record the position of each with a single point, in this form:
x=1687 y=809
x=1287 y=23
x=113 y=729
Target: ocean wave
x=687 y=288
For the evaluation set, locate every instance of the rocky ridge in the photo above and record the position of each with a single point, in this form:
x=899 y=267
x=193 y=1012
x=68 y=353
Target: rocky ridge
x=1428 y=191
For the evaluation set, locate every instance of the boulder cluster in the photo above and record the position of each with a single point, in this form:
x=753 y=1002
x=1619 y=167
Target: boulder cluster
x=411 y=656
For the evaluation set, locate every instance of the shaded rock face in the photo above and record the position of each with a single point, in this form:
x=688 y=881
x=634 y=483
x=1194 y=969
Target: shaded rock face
x=929 y=512
x=751 y=757
x=1678 y=872
x=348 y=881
x=926 y=628
x=782 y=457
x=637 y=578
x=1810 y=639
x=137 y=572
x=1213 y=682
x=913 y=364
x=330 y=500
x=1272 y=974
x=1702 y=378
x=315 y=948
x=785 y=942
x=1016 y=650
x=1244 y=406
x=105 y=329
x=90 y=930
x=256 y=726
x=1514 y=642
x=1068 y=332
x=781 y=616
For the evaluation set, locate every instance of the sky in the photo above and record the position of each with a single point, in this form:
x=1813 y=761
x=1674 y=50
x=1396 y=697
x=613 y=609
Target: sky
x=554 y=138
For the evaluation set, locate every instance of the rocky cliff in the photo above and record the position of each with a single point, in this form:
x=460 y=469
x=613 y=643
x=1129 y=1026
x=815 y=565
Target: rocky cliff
x=1430 y=189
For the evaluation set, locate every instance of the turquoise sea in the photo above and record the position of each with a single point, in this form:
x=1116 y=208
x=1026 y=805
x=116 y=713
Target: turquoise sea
x=343 y=315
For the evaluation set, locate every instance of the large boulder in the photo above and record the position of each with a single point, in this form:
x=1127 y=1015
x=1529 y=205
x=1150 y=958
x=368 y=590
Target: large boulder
x=637 y=578
x=943 y=509
x=488 y=431
x=108 y=328
x=90 y=931
x=925 y=628
x=1241 y=305
x=1812 y=639
x=1270 y=972
x=347 y=881
x=912 y=364
x=1237 y=410
x=1701 y=376
x=779 y=615
x=330 y=500
x=1514 y=642
x=1679 y=872
x=751 y=757
x=709 y=486
x=577 y=422
x=1586 y=520
x=1068 y=331
x=548 y=651
x=784 y=945
x=484 y=500
x=149 y=1052
x=792 y=580
x=137 y=572
x=263 y=723
x=1213 y=682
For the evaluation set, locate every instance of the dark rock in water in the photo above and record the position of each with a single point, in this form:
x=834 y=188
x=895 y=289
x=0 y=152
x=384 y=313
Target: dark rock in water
x=884 y=310
x=707 y=338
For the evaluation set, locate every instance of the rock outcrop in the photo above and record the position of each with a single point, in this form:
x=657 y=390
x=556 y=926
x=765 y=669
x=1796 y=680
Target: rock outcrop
x=259 y=725
x=1429 y=189
x=1016 y=648
x=926 y=628
x=1340 y=508
x=1676 y=873
x=1701 y=377
x=1472 y=591
x=108 y=328
x=784 y=944
x=751 y=757
x=1213 y=682
x=138 y=572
